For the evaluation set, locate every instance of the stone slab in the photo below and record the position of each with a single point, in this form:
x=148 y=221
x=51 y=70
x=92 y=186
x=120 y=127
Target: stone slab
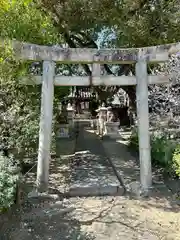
x=91 y=172
x=65 y=146
x=35 y=194
x=89 y=178
x=95 y=190
x=63 y=131
x=124 y=163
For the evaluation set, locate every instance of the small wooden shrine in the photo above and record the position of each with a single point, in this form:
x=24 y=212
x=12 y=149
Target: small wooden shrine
x=81 y=97
x=120 y=106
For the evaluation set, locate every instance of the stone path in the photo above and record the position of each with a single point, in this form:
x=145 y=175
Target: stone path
x=91 y=169
x=127 y=165
x=85 y=173
x=88 y=218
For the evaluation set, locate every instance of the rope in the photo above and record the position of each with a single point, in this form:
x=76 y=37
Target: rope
x=29 y=170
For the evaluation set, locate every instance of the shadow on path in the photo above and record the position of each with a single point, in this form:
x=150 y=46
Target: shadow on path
x=127 y=164
x=51 y=221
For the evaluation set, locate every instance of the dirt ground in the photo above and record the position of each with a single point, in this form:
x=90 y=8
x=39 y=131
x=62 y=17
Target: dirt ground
x=123 y=218
x=101 y=218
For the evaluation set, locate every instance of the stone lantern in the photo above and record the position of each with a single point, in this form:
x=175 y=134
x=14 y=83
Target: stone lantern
x=66 y=121
x=70 y=115
x=102 y=118
x=63 y=129
x=111 y=126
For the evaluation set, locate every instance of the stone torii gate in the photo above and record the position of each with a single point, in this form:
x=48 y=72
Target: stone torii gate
x=49 y=55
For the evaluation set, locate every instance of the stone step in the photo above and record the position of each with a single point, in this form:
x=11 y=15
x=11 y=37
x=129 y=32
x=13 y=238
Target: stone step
x=95 y=190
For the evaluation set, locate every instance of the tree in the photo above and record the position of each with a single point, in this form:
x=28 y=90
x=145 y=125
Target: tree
x=20 y=104
x=130 y=23
x=79 y=23
x=150 y=23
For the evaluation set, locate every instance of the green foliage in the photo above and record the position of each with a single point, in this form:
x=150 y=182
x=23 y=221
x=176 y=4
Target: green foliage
x=163 y=151
x=8 y=181
x=146 y=23
x=176 y=160
x=134 y=22
x=21 y=20
x=20 y=104
x=82 y=15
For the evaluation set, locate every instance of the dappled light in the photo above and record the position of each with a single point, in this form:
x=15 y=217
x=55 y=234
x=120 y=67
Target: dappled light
x=89 y=120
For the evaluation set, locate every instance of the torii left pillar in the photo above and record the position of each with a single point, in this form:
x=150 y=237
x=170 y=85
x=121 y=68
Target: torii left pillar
x=45 y=131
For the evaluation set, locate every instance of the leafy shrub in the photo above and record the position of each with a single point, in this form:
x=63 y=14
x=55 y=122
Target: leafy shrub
x=9 y=175
x=162 y=150
x=176 y=160
x=20 y=104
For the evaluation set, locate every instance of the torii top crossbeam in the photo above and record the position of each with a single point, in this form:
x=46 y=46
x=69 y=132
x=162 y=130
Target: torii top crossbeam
x=35 y=52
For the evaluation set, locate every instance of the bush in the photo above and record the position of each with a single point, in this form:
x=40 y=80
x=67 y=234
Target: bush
x=176 y=160
x=163 y=151
x=9 y=175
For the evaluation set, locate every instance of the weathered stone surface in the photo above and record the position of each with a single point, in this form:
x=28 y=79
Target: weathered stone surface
x=78 y=55
x=95 y=190
x=112 y=129
x=107 y=80
x=81 y=121
x=91 y=175
x=124 y=163
x=65 y=146
x=89 y=172
x=63 y=131
x=36 y=194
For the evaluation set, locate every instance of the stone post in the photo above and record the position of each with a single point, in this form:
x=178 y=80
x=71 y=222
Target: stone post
x=63 y=130
x=70 y=117
x=70 y=114
x=143 y=124
x=45 y=132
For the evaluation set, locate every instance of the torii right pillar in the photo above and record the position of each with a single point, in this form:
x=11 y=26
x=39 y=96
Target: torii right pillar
x=143 y=124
